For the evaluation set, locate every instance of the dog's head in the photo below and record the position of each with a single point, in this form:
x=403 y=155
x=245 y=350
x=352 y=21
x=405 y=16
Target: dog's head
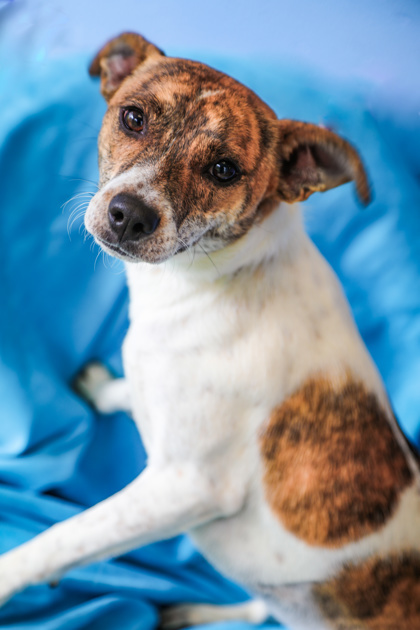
x=187 y=153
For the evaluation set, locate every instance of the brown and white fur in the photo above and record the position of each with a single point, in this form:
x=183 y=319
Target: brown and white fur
x=269 y=434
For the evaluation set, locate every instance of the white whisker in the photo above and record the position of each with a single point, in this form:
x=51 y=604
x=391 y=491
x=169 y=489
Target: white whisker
x=187 y=249
x=81 y=179
x=78 y=196
x=77 y=214
x=209 y=257
x=96 y=259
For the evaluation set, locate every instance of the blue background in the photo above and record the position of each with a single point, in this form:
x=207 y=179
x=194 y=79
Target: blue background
x=63 y=303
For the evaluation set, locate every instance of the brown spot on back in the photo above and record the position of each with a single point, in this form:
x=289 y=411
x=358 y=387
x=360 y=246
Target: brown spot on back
x=333 y=468
x=379 y=594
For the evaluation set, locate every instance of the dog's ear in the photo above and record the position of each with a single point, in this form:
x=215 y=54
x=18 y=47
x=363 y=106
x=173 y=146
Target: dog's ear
x=118 y=58
x=315 y=159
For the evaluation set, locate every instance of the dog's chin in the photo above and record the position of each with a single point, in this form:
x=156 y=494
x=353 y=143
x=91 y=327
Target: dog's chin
x=117 y=252
x=145 y=256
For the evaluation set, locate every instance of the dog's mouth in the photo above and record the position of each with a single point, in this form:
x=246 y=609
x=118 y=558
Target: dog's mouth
x=153 y=250
x=154 y=256
x=120 y=252
x=115 y=250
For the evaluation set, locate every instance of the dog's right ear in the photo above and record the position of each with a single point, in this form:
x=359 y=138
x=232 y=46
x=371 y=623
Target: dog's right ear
x=118 y=58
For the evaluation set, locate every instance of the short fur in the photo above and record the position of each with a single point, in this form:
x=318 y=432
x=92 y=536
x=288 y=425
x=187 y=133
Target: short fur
x=269 y=434
x=322 y=476
x=383 y=594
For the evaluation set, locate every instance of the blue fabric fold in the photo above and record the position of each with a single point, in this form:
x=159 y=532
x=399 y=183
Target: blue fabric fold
x=63 y=304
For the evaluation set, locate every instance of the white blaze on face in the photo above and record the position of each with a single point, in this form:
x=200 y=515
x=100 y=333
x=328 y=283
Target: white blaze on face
x=206 y=93
x=137 y=181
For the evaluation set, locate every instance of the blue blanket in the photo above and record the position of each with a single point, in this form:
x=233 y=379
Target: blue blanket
x=64 y=304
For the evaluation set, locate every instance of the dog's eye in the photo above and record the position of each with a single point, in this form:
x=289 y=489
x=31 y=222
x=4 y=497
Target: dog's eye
x=224 y=171
x=133 y=119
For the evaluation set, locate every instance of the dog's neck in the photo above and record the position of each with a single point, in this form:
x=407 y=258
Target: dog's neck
x=278 y=237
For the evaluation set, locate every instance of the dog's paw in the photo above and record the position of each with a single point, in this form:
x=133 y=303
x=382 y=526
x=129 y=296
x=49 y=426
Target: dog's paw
x=12 y=575
x=186 y=615
x=176 y=617
x=91 y=382
x=102 y=390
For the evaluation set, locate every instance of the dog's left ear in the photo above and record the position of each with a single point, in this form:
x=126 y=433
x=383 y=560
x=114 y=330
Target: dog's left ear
x=315 y=159
x=118 y=58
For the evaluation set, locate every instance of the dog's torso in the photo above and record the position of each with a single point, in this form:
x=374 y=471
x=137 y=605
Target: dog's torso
x=210 y=355
x=268 y=430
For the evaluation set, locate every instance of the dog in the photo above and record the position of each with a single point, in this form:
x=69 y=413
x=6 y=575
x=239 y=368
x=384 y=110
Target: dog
x=269 y=434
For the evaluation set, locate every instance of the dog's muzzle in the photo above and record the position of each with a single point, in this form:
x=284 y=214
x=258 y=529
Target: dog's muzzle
x=130 y=218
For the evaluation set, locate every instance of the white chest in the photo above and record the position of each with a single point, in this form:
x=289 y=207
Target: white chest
x=196 y=371
x=208 y=360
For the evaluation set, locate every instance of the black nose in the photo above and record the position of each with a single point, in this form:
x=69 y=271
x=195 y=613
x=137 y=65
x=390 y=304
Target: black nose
x=130 y=218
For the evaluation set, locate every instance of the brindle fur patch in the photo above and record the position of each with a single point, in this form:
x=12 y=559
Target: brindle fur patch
x=195 y=117
x=379 y=594
x=186 y=134
x=334 y=471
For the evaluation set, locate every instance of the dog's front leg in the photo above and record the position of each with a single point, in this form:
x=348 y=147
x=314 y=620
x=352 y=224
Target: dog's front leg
x=159 y=504
x=102 y=390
